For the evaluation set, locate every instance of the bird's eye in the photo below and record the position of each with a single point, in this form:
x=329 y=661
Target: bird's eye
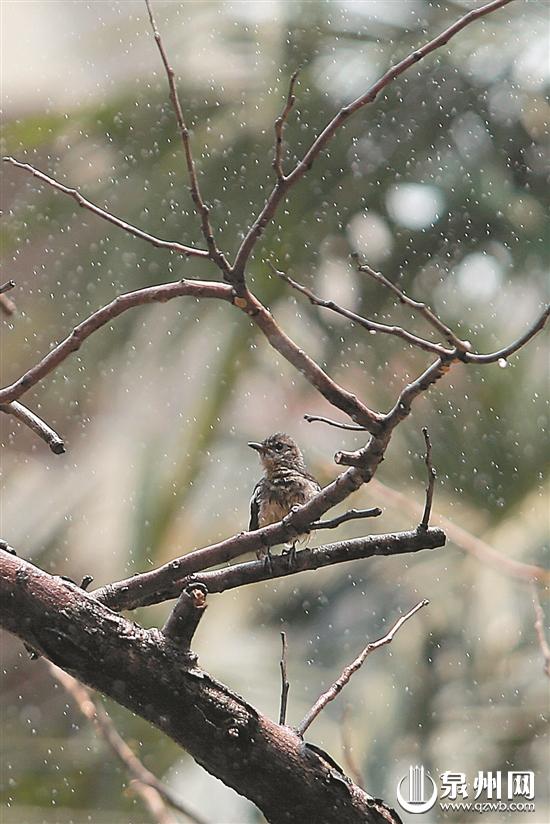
x=278 y=446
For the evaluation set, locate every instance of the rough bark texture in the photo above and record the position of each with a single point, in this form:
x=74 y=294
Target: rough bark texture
x=146 y=672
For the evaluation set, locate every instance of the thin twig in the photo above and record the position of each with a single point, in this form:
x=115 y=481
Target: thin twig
x=539 y=629
x=202 y=209
x=9 y=284
x=418 y=306
x=350 y=426
x=104 y=725
x=140 y=297
x=350 y=515
x=285 y=686
x=36 y=424
x=280 y=126
x=424 y=523
x=479 y=549
x=282 y=186
x=180 y=248
x=347 y=751
x=369 y=325
x=341 y=682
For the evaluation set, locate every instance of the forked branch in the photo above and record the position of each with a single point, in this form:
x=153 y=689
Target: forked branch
x=171 y=245
x=344 y=678
x=202 y=209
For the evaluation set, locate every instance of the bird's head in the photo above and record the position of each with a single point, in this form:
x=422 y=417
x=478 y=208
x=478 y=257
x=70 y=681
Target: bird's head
x=279 y=451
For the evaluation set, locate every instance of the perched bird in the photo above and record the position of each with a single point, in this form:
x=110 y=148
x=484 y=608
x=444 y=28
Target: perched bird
x=286 y=484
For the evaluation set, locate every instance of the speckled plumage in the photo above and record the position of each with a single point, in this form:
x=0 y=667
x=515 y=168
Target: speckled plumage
x=286 y=482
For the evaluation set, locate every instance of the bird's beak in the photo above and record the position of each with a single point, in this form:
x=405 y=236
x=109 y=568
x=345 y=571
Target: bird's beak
x=257 y=446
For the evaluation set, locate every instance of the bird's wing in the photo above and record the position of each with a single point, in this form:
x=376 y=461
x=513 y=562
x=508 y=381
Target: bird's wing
x=254 y=509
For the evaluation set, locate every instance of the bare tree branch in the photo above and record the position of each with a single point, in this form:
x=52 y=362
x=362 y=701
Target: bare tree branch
x=184 y=618
x=280 y=126
x=350 y=515
x=238 y=575
x=144 y=671
x=539 y=629
x=9 y=284
x=173 y=246
x=140 y=297
x=284 y=184
x=202 y=209
x=424 y=523
x=350 y=426
x=36 y=424
x=285 y=686
x=421 y=308
x=506 y=351
x=479 y=549
x=344 y=678
x=369 y=325
x=143 y=778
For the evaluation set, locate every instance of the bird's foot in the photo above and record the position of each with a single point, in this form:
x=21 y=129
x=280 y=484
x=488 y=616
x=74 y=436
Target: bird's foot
x=291 y=552
x=268 y=562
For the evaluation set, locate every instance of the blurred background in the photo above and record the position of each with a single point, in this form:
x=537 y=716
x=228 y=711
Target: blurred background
x=441 y=185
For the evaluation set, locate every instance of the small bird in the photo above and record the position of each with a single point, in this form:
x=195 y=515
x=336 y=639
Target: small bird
x=286 y=484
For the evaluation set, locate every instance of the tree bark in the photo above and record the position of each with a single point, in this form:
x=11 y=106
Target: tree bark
x=150 y=675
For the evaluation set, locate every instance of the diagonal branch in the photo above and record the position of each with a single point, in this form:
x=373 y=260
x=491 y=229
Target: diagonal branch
x=202 y=209
x=143 y=778
x=140 y=297
x=512 y=348
x=344 y=678
x=36 y=424
x=283 y=185
x=418 y=306
x=369 y=325
x=355 y=549
x=180 y=248
x=280 y=126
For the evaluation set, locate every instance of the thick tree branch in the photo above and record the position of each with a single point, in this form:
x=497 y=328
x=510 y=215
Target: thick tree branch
x=184 y=618
x=140 y=589
x=319 y=144
x=279 y=340
x=36 y=424
x=171 y=245
x=355 y=549
x=344 y=678
x=285 y=686
x=141 y=297
x=202 y=209
x=144 y=671
x=143 y=779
